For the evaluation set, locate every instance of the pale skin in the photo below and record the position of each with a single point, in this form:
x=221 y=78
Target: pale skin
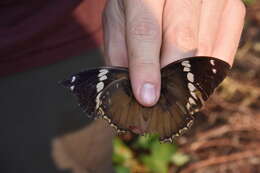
x=146 y=35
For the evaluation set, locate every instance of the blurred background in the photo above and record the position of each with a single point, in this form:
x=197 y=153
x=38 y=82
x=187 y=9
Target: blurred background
x=226 y=135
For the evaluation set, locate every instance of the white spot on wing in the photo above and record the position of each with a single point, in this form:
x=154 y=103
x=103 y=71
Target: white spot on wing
x=188 y=106
x=72 y=87
x=100 y=86
x=73 y=79
x=102 y=78
x=186 y=63
x=212 y=62
x=214 y=70
x=191 y=87
x=102 y=72
x=190 y=77
x=192 y=101
x=186 y=69
x=190 y=123
x=113 y=125
x=196 y=110
x=193 y=95
x=98 y=100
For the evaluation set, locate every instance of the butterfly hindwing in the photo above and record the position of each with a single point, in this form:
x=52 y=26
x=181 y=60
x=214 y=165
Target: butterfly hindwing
x=120 y=108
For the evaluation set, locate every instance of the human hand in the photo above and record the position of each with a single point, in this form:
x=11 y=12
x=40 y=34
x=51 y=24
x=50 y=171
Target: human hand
x=146 y=35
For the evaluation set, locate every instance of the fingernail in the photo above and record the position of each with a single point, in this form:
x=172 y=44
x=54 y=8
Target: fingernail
x=148 y=93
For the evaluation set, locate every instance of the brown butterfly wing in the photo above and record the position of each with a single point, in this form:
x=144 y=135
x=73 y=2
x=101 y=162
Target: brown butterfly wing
x=186 y=84
x=119 y=106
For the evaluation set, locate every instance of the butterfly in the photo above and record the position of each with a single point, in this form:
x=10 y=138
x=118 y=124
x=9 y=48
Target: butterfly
x=105 y=92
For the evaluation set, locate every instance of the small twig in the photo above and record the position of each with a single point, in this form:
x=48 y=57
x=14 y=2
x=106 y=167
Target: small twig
x=230 y=106
x=221 y=160
x=219 y=131
x=213 y=143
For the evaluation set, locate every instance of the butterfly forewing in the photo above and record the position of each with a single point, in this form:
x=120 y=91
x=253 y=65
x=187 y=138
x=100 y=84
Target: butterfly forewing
x=201 y=73
x=87 y=85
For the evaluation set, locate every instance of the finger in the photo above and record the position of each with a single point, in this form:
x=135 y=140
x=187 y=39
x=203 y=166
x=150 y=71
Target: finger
x=143 y=32
x=180 y=29
x=211 y=13
x=228 y=37
x=114 y=34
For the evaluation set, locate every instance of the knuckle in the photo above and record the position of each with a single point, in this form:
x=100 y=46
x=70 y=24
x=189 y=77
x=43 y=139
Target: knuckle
x=145 y=29
x=204 y=48
x=185 y=37
x=240 y=6
x=115 y=54
x=144 y=61
x=147 y=63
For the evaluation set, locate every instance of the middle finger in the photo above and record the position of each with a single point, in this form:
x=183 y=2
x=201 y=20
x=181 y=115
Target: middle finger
x=180 y=29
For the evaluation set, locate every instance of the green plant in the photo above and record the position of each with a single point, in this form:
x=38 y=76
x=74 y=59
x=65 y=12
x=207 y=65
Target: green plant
x=146 y=155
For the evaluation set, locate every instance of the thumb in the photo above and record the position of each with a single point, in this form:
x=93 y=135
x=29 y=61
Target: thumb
x=143 y=38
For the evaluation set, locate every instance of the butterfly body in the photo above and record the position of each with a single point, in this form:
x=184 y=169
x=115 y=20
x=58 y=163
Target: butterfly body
x=106 y=93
